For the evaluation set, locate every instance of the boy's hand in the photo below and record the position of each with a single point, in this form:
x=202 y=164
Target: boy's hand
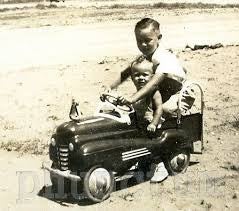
x=151 y=128
x=124 y=100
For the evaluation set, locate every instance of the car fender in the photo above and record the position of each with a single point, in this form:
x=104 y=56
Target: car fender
x=173 y=138
x=106 y=153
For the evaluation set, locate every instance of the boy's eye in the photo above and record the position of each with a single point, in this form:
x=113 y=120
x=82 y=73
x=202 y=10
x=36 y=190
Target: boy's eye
x=144 y=40
x=146 y=74
x=139 y=41
x=148 y=40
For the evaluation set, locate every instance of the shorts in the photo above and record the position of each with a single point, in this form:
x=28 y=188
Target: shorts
x=171 y=105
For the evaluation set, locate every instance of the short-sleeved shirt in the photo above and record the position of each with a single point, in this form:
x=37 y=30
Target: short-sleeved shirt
x=165 y=62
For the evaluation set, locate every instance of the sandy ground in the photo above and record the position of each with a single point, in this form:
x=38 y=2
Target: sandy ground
x=45 y=61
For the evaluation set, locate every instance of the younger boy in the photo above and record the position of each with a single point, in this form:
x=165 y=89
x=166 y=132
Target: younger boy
x=150 y=107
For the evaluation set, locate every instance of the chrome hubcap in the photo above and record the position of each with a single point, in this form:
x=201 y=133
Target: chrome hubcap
x=178 y=162
x=99 y=182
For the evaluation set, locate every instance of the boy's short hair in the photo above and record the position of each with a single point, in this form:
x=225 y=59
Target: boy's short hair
x=145 y=22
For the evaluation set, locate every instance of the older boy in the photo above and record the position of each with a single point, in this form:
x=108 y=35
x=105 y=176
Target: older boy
x=169 y=74
x=167 y=79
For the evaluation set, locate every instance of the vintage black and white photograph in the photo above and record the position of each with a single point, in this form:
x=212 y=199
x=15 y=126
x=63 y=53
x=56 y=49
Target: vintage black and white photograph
x=119 y=105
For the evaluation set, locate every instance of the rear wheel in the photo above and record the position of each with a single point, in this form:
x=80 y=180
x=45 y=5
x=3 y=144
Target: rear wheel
x=177 y=161
x=98 y=183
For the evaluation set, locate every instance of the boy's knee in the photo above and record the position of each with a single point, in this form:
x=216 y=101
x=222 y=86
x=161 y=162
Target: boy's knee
x=171 y=105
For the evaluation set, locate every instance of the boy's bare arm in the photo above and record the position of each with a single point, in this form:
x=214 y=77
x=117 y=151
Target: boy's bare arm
x=149 y=87
x=123 y=76
x=157 y=107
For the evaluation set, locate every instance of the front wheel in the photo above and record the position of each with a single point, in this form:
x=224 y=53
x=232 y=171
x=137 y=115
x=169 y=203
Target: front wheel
x=177 y=161
x=98 y=183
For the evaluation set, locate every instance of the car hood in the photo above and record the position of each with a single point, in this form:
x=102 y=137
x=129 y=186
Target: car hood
x=92 y=128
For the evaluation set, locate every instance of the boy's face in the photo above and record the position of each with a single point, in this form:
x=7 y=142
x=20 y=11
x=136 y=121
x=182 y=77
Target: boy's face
x=147 y=40
x=142 y=73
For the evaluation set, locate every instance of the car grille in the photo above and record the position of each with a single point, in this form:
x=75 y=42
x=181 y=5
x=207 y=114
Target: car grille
x=63 y=157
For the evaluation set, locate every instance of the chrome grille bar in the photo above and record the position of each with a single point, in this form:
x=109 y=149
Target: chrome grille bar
x=63 y=154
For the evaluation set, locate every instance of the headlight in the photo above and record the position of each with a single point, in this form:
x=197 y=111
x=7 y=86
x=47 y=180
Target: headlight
x=53 y=142
x=71 y=147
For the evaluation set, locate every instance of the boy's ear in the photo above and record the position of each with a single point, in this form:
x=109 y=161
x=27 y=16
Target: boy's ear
x=160 y=36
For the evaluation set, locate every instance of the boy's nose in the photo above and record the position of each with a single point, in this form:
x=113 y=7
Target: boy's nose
x=144 y=44
x=141 y=77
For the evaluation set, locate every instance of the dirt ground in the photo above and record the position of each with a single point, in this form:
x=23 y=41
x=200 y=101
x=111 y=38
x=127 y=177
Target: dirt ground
x=50 y=55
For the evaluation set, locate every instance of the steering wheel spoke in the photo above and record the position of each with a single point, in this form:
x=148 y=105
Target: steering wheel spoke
x=114 y=101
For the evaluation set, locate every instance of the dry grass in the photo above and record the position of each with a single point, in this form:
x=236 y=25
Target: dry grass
x=38 y=6
x=235 y=122
x=30 y=146
x=19 y=1
x=170 y=6
x=162 y=5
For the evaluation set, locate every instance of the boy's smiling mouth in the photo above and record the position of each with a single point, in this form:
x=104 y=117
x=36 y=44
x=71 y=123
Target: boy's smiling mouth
x=146 y=50
x=141 y=83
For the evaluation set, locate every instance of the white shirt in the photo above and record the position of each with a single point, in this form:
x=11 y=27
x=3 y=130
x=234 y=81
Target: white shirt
x=167 y=63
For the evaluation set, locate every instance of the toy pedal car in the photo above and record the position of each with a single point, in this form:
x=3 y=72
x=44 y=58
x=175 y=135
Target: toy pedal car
x=99 y=150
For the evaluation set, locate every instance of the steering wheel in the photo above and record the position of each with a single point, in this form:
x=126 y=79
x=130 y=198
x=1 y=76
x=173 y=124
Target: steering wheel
x=114 y=100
